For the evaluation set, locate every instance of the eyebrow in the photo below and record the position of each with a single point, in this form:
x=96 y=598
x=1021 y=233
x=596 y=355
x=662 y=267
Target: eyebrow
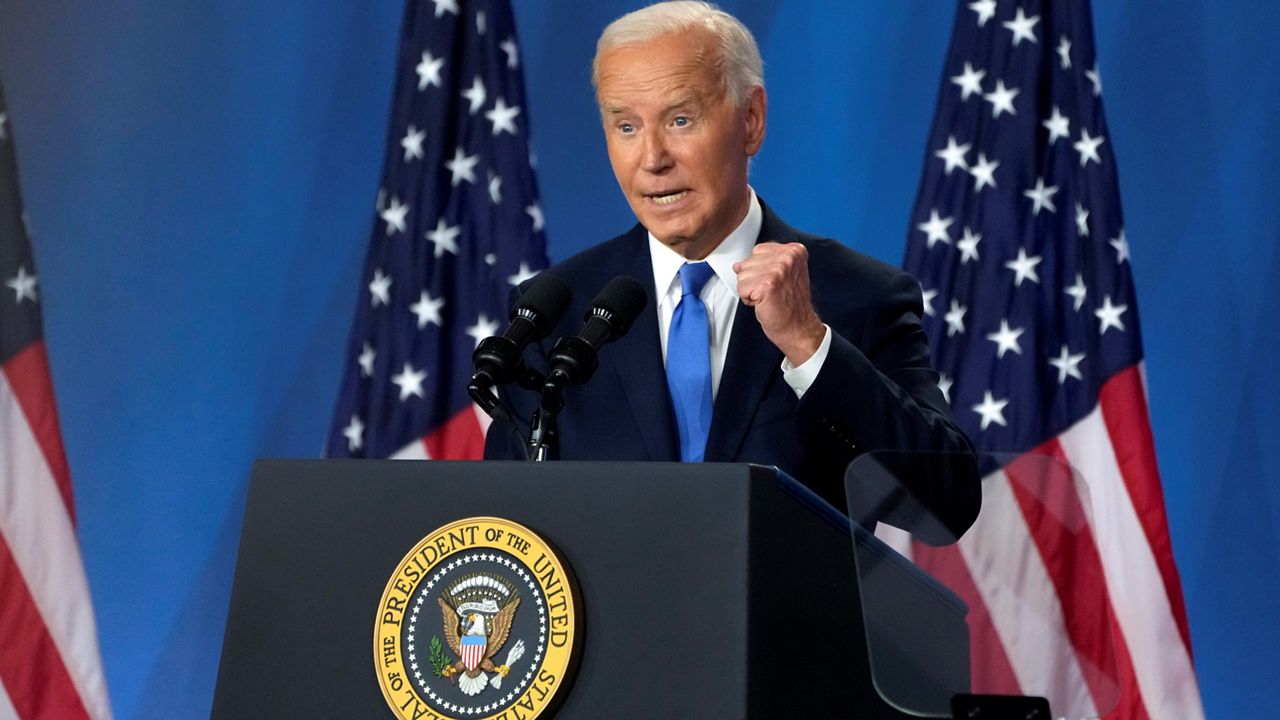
x=686 y=101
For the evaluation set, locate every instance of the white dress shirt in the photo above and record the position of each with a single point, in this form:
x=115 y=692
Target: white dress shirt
x=720 y=295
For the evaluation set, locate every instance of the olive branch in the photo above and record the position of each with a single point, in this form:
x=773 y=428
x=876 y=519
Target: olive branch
x=439 y=661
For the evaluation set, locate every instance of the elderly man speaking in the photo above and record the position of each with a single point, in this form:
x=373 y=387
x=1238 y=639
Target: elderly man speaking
x=760 y=343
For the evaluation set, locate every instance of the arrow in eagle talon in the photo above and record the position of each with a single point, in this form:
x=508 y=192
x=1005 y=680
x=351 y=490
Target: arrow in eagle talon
x=513 y=655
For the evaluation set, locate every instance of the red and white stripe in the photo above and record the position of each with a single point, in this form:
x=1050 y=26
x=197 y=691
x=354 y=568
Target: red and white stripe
x=49 y=661
x=1086 y=577
x=1113 y=449
x=472 y=655
x=460 y=438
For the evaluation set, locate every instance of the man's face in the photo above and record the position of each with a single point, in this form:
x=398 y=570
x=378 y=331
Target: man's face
x=678 y=146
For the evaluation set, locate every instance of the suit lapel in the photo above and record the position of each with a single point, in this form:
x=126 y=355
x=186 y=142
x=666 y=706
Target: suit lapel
x=636 y=359
x=751 y=364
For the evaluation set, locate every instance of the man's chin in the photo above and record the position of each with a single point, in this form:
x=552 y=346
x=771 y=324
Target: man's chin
x=673 y=240
x=691 y=248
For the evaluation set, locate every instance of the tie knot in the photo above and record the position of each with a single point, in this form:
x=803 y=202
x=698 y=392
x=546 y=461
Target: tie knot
x=693 y=276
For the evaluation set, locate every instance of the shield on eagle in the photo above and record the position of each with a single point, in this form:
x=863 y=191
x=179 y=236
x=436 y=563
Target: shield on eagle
x=473 y=642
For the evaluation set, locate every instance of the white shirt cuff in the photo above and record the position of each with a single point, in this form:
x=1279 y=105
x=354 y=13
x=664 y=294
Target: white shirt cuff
x=802 y=377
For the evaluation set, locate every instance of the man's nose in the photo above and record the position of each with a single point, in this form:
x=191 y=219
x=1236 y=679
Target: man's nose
x=656 y=158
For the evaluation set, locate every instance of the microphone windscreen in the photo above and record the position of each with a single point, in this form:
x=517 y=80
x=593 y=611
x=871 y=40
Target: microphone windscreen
x=624 y=297
x=548 y=297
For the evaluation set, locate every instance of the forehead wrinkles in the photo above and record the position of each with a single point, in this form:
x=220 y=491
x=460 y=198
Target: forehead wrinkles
x=649 y=72
x=666 y=88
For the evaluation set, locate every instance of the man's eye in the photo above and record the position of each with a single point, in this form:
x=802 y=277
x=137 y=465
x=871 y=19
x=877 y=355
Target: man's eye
x=626 y=128
x=681 y=121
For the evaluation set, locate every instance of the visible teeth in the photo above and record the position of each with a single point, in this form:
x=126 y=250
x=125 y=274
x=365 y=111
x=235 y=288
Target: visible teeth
x=668 y=199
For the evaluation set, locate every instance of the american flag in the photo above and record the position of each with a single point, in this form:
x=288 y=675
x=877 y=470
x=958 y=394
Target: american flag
x=1019 y=243
x=457 y=225
x=49 y=661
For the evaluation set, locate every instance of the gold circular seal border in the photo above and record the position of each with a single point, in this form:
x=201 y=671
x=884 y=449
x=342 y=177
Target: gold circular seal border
x=544 y=565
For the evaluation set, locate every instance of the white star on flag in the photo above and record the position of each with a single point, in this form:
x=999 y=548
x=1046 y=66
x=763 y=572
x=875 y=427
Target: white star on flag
x=927 y=297
x=524 y=273
x=1041 y=196
x=1082 y=221
x=1058 y=125
x=379 y=289
x=410 y=381
x=367 y=356
x=944 y=384
x=503 y=117
x=427 y=309
x=23 y=286
x=984 y=173
x=394 y=216
x=1109 y=316
x=1001 y=99
x=462 y=167
x=1122 y=247
x=986 y=9
x=1006 y=339
x=444 y=237
x=1077 y=292
x=953 y=155
x=483 y=328
x=970 y=81
x=412 y=143
x=1096 y=78
x=354 y=432
x=495 y=188
x=475 y=95
x=969 y=246
x=428 y=71
x=936 y=228
x=1088 y=147
x=1064 y=52
x=991 y=410
x=1022 y=27
x=1024 y=267
x=1068 y=365
x=534 y=211
x=512 y=52
x=444 y=6
x=955 y=318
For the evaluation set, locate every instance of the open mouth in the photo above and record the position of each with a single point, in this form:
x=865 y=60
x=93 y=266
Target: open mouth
x=669 y=198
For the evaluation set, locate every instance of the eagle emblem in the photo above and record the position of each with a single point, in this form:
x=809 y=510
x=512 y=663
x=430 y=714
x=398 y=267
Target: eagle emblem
x=477 y=612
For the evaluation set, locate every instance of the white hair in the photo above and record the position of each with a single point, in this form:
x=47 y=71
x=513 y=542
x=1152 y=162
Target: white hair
x=738 y=62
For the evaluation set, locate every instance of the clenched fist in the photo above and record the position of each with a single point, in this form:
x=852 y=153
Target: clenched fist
x=775 y=281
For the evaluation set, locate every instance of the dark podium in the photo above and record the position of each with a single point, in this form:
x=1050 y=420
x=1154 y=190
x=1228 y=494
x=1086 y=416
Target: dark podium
x=708 y=591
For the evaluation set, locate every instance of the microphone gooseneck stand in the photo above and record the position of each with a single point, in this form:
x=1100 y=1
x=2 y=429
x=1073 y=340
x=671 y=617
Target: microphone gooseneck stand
x=574 y=359
x=498 y=359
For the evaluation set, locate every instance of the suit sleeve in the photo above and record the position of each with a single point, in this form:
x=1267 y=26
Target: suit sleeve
x=877 y=393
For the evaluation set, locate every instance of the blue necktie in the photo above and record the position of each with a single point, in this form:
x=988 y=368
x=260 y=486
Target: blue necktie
x=689 y=363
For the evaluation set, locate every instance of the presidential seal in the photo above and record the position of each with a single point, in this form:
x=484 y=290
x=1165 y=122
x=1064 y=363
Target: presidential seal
x=480 y=620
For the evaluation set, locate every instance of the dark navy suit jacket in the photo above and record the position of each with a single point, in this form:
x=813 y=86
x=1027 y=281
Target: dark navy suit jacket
x=875 y=391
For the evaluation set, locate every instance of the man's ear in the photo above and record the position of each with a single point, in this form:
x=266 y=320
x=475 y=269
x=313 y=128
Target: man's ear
x=754 y=115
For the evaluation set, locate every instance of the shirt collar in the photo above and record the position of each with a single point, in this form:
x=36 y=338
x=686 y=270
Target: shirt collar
x=736 y=247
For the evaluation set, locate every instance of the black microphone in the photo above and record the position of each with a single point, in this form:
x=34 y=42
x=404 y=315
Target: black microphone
x=497 y=358
x=574 y=359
